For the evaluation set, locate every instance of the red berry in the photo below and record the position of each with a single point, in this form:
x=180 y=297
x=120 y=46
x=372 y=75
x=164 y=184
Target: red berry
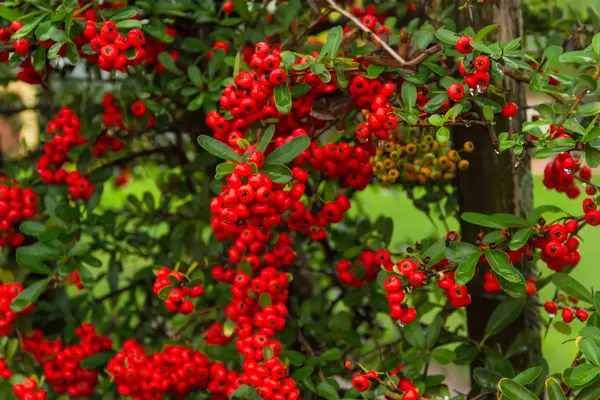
x=360 y=382
x=482 y=63
x=567 y=314
x=456 y=91
x=22 y=46
x=463 y=45
x=228 y=7
x=581 y=314
x=510 y=110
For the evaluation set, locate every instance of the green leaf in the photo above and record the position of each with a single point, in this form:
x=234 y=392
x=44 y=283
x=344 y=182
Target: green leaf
x=28 y=296
x=596 y=43
x=552 y=53
x=466 y=269
x=96 y=360
x=461 y=251
x=443 y=134
x=447 y=36
x=514 y=391
x=578 y=57
x=454 y=112
x=499 y=262
x=327 y=391
x=483 y=32
x=435 y=102
x=168 y=62
x=79 y=249
x=264 y=299
x=571 y=287
x=502 y=316
x=197 y=102
x=554 y=390
x=590 y=350
x=528 y=376
x=332 y=43
x=278 y=173
x=129 y=24
x=157 y=31
x=512 y=45
x=195 y=75
x=424 y=36
x=218 y=148
x=583 y=374
x=241 y=7
x=32 y=228
x=128 y=14
x=331 y=355
x=432 y=333
x=520 y=238
x=486 y=379
x=39 y=58
x=9 y=13
x=490 y=221
x=592 y=156
x=589 y=109
x=214 y=64
x=245 y=392
x=443 y=356
x=192 y=44
x=265 y=138
x=414 y=335
x=283 y=100
x=295 y=357
x=28 y=27
x=591 y=392
x=289 y=150
x=409 y=95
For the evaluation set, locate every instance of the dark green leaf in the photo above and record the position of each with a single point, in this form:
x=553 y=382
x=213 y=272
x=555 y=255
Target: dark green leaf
x=528 y=376
x=28 y=296
x=447 y=36
x=409 y=95
x=583 y=374
x=265 y=138
x=466 y=269
x=505 y=313
x=572 y=287
x=499 y=262
x=214 y=64
x=28 y=27
x=590 y=350
x=278 y=173
x=332 y=43
x=327 y=391
x=514 y=391
x=283 y=99
x=168 y=62
x=289 y=150
x=520 y=238
x=554 y=390
x=96 y=360
x=218 y=148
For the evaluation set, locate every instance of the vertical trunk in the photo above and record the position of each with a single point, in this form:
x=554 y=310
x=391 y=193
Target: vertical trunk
x=492 y=184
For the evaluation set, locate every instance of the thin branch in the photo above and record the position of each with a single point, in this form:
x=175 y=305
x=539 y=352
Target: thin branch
x=357 y=22
x=579 y=98
x=524 y=79
x=310 y=352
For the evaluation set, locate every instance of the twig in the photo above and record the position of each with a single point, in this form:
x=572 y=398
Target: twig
x=356 y=21
x=406 y=64
x=524 y=79
x=296 y=38
x=579 y=98
x=310 y=352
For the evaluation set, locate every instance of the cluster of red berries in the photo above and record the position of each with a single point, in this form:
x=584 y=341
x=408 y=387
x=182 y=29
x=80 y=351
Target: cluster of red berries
x=113 y=116
x=398 y=311
x=458 y=295
x=16 y=205
x=22 y=47
x=558 y=244
x=74 y=279
x=176 y=299
x=112 y=47
x=561 y=175
x=349 y=164
x=61 y=362
x=5 y=373
x=29 y=390
x=248 y=200
x=302 y=220
x=364 y=269
x=370 y=18
x=216 y=335
x=8 y=292
x=373 y=95
x=568 y=313
x=176 y=371
x=362 y=382
x=66 y=132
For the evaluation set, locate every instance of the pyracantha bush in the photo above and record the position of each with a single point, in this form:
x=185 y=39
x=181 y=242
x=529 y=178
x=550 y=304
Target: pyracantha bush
x=201 y=215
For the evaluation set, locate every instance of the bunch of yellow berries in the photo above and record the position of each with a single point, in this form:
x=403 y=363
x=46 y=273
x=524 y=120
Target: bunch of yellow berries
x=416 y=157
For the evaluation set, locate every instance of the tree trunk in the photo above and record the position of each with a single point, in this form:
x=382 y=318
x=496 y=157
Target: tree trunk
x=493 y=183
